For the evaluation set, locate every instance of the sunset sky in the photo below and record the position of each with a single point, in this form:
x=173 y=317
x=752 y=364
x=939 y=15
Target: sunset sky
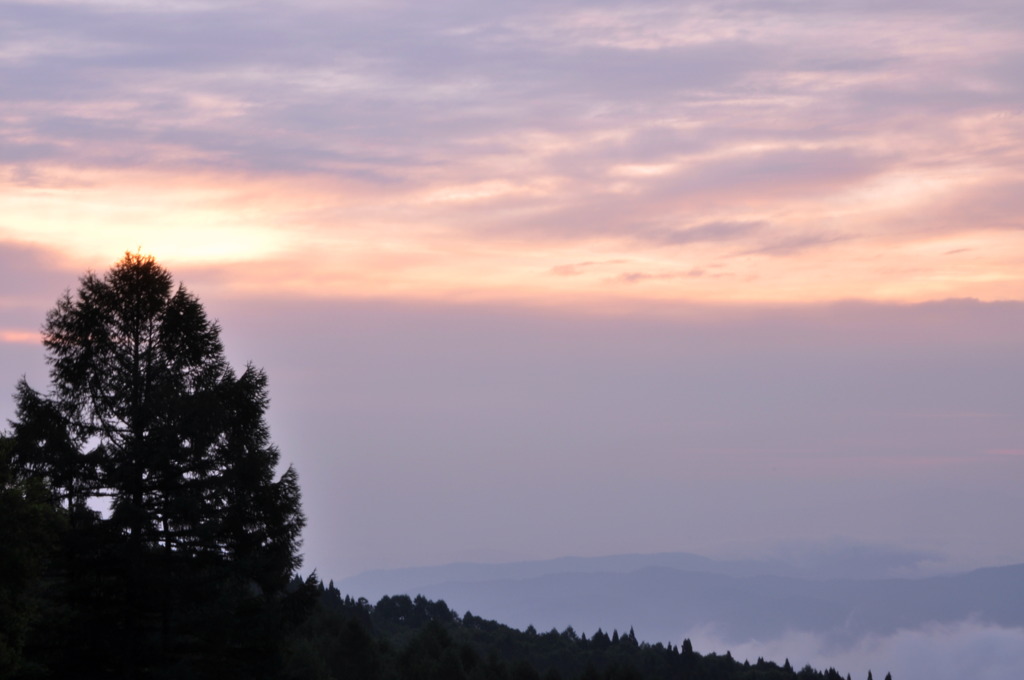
x=532 y=278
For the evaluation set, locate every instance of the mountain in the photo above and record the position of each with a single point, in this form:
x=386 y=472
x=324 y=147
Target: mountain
x=666 y=597
x=378 y=583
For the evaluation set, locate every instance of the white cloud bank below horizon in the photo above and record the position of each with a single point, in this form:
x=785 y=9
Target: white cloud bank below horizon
x=953 y=651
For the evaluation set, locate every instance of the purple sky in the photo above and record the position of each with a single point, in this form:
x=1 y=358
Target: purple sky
x=535 y=279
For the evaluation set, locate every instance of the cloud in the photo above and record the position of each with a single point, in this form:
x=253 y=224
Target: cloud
x=636 y=277
x=731 y=129
x=8 y=335
x=30 y=275
x=792 y=245
x=765 y=177
x=713 y=231
x=966 y=649
x=580 y=267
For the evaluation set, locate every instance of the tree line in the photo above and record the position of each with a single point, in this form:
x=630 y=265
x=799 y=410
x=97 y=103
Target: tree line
x=406 y=638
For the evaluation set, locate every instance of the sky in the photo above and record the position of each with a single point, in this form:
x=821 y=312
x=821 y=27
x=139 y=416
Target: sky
x=534 y=279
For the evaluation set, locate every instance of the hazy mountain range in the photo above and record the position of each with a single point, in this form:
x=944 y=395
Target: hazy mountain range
x=665 y=597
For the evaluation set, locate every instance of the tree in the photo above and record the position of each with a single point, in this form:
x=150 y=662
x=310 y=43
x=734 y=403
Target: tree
x=27 y=538
x=160 y=457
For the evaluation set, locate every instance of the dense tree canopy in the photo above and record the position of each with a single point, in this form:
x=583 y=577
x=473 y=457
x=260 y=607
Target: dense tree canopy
x=405 y=638
x=158 y=455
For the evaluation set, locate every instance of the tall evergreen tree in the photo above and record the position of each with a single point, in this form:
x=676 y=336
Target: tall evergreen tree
x=160 y=456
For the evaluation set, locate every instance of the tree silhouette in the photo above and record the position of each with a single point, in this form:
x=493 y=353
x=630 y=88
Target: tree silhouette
x=160 y=457
x=27 y=537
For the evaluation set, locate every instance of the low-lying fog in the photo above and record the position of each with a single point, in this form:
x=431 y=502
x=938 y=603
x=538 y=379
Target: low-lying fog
x=853 y=608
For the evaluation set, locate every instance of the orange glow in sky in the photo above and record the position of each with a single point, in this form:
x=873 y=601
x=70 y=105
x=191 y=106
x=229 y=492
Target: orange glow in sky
x=653 y=153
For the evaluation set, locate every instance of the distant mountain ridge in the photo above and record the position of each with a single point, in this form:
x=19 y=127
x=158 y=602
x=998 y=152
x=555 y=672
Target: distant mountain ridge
x=377 y=583
x=665 y=597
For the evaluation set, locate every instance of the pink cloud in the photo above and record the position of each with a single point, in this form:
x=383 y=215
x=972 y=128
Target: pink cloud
x=18 y=336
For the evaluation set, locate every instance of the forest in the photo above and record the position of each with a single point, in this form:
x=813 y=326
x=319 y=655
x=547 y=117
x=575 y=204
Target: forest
x=414 y=638
x=145 y=531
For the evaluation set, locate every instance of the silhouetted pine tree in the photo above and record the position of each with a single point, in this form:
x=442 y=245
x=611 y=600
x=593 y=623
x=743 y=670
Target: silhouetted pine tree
x=144 y=415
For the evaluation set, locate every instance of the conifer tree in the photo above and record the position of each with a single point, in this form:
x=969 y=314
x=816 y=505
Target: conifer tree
x=160 y=457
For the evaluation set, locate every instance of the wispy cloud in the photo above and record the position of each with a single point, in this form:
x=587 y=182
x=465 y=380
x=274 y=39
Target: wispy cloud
x=636 y=277
x=578 y=268
x=496 y=140
x=19 y=336
x=713 y=231
x=791 y=245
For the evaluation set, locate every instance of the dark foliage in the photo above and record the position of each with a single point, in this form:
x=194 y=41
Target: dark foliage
x=178 y=541
x=28 y=535
x=403 y=638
